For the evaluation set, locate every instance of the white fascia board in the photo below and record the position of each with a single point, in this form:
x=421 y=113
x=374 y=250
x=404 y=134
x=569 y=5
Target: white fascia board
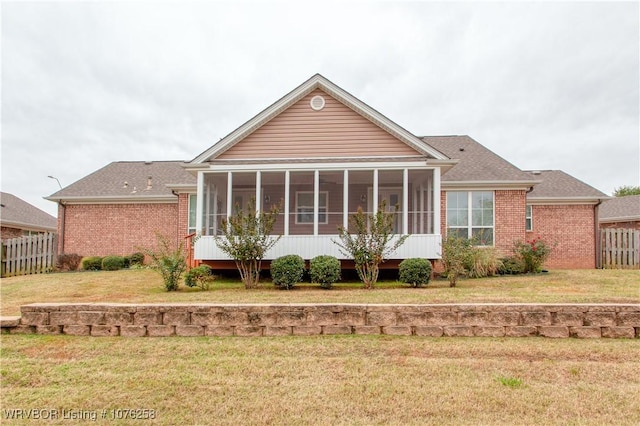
x=563 y=201
x=487 y=185
x=27 y=226
x=422 y=165
x=620 y=219
x=317 y=81
x=182 y=187
x=114 y=200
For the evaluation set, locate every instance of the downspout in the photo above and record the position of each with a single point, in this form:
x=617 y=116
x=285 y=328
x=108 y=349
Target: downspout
x=173 y=192
x=63 y=209
x=596 y=225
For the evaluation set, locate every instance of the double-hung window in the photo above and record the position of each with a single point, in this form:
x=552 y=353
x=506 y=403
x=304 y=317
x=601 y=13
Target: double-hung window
x=528 y=217
x=191 y=225
x=304 y=207
x=470 y=214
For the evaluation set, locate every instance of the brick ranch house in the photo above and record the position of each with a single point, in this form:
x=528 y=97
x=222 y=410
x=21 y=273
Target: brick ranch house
x=321 y=153
x=19 y=218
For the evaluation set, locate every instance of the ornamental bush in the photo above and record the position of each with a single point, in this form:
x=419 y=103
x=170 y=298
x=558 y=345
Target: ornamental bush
x=286 y=271
x=415 y=271
x=456 y=251
x=199 y=277
x=324 y=270
x=136 y=258
x=482 y=262
x=510 y=266
x=92 y=263
x=112 y=263
x=532 y=254
x=68 y=262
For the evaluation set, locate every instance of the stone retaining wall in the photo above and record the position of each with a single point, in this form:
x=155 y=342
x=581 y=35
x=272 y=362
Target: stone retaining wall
x=488 y=320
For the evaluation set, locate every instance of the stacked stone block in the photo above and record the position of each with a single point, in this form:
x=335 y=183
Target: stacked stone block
x=459 y=320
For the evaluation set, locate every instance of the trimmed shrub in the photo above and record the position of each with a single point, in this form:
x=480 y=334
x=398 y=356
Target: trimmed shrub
x=286 y=271
x=199 y=277
x=92 y=263
x=415 y=271
x=68 y=262
x=136 y=258
x=112 y=263
x=324 y=270
x=511 y=266
x=532 y=254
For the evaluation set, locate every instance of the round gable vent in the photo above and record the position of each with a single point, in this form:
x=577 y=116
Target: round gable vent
x=317 y=103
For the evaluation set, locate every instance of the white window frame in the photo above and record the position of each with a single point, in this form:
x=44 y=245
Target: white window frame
x=528 y=218
x=312 y=207
x=469 y=226
x=192 y=202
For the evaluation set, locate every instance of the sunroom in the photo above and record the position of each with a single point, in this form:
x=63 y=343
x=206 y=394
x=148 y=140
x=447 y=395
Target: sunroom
x=315 y=199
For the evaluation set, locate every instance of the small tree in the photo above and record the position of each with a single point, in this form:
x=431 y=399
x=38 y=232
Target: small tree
x=168 y=261
x=246 y=238
x=370 y=242
x=455 y=255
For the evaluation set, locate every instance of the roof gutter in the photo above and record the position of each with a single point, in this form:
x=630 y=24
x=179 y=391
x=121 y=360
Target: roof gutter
x=596 y=233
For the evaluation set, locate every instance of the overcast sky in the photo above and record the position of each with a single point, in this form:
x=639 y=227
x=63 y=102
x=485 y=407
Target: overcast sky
x=546 y=85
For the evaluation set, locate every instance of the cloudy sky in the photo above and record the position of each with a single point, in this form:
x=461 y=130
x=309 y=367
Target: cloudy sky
x=546 y=85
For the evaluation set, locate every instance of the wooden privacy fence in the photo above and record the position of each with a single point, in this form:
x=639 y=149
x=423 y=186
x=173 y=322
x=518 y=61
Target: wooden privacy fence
x=35 y=254
x=620 y=248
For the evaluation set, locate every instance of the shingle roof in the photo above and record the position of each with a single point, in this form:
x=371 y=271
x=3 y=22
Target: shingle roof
x=17 y=213
x=477 y=163
x=558 y=184
x=620 y=209
x=128 y=179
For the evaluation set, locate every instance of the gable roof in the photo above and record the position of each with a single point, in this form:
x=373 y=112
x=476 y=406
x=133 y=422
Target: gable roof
x=318 y=82
x=559 y=187
x=17 y=213
x=620 y=209
x=477 y=165
x=127 y=181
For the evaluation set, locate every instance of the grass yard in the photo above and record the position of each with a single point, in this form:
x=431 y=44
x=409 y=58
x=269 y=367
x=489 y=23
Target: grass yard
x=145 y=286
x=323 y=379
x=326 y=380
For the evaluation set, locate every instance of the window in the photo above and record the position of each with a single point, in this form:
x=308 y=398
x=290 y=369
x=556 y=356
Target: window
x=191 y=225
x=529 y=218
x=470 y=215
x=304 y=207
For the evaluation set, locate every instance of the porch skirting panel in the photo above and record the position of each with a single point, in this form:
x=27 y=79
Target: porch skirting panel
x=309 y=246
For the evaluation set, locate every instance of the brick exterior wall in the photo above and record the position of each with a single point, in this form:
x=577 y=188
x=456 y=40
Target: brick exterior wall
x=118 y=229
x=7 y=232
x=445 y=320
x=571 y=229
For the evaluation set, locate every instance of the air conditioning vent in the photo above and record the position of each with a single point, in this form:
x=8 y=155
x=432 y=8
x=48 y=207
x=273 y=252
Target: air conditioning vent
x=317 y=103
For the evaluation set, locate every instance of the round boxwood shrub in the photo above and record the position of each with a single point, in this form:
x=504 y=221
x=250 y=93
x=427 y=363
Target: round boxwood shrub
x=136 y=258
x=92 y=263
x=415 y=271
x=112 y=263
x=199 y=276
x=324 y=270
x=286 y=271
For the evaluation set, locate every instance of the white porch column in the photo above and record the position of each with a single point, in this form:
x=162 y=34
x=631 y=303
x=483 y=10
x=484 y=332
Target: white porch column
x=200 y=203
x=374 y=196
x=316 y=200
x=423 y=212
x=405 y=201
x=229 y=194
x=258 y=191
x=345 y=200
x=287 y=181
x=436 y=201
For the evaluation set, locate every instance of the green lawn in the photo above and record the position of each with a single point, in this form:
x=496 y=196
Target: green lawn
x=326 y=379
x=323 y=379
x=145 y=286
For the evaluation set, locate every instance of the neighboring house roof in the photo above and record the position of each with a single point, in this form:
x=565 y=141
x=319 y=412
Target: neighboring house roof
x=477 y=165
x=559 y=187
x=129 y=181
x=17 y=213
x=620 y=209
x=318 y=82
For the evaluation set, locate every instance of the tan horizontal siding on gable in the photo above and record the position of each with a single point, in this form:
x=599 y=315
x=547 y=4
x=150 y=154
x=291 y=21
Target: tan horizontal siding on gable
x=334 y=131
